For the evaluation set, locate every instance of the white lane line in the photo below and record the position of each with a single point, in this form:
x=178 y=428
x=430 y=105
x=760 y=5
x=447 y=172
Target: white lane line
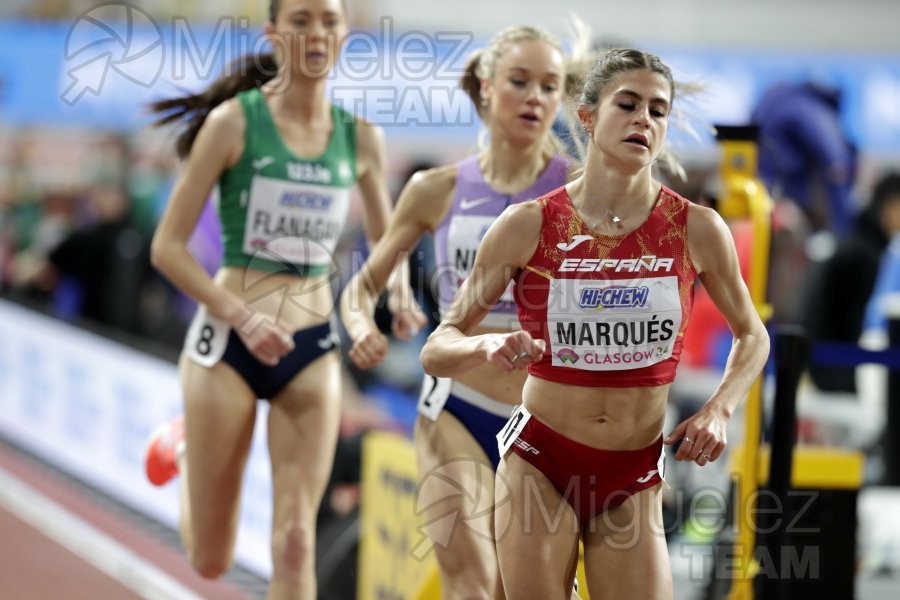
x=95 y=547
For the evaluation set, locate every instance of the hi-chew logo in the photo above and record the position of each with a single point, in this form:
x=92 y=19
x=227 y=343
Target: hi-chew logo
x=306 y=200
x=615 y=296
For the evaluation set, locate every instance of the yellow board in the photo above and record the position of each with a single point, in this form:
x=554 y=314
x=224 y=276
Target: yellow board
x=582 y=582
x=391 y=530
x=815 y=467
x=388 y=521
x=431 y=587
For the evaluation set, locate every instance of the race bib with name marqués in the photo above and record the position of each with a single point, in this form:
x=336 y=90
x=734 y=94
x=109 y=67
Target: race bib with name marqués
x=299 y=222
x=613 y=325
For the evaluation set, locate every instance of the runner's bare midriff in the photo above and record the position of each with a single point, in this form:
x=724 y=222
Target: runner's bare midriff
x=298 y=302
x=608 y=418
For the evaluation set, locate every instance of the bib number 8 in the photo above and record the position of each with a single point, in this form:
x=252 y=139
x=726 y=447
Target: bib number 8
x=204 y=343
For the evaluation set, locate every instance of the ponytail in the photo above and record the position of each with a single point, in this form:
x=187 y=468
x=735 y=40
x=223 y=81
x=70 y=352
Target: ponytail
x=470 y=82
x=245 y=73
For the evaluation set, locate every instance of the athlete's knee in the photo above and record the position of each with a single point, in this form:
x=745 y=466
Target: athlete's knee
x=209 y=566
x=468 y=578
x=458 y=589
x=293 y=547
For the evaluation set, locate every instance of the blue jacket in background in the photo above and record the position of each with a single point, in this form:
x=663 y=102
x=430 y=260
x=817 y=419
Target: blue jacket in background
x=802 y=146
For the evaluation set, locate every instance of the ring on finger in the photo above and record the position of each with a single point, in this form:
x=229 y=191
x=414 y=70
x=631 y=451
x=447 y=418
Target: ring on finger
x=688 y=439
x=519 y=355
x=706 y=457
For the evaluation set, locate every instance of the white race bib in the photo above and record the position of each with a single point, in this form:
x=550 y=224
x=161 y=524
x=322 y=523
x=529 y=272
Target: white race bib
x=206 y=338
x=512 y=429
x=603 y=325
x=434 y=395
x=300 y=223
x=463 y=239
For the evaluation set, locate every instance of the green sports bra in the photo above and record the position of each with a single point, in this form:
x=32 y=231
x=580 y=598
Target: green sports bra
x=280 y=212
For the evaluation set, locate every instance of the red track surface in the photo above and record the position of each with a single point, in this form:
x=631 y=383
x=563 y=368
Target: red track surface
x=35 y=567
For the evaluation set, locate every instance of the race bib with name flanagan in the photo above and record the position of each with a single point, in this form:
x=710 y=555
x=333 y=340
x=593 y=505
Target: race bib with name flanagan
x=299 y=222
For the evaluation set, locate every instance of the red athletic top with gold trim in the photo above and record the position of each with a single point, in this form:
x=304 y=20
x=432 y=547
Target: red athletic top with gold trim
x=612 y=308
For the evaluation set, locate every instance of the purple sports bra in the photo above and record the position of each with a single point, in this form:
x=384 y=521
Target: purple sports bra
x=474 y=208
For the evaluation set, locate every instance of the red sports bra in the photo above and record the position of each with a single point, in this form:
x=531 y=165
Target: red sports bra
x=611 y=308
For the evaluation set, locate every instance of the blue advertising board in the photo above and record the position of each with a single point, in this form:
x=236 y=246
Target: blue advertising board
x=102 y=73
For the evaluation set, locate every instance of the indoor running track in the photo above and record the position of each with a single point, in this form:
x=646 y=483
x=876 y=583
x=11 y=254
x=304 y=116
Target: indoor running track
x=60 y=540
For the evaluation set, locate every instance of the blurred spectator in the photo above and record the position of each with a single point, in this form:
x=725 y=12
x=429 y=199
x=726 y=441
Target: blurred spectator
x=41 y=226
x=840 y=288
x=804 y=153
x=103 y=266
x=7 y=238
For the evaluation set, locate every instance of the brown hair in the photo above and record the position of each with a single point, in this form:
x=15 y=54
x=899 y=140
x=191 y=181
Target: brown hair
x=614 y=62
x=245 y=73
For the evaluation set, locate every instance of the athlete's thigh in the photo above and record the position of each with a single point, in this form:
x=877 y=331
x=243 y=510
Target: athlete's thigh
x=625 y=552
x=455 y=476
x=219 y=415
x=537 y=533
x=302 y=433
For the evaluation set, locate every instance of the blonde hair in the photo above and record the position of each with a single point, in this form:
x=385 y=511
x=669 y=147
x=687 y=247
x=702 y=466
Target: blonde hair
x=482 y=65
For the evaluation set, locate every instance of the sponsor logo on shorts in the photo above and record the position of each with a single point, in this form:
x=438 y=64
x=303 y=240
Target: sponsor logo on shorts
x=648 y=476
x=526 y=446
x=329 y=341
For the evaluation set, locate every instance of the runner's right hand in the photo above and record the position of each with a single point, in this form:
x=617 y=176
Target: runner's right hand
x=369 y=348
x=265 y=338
x=516 y=350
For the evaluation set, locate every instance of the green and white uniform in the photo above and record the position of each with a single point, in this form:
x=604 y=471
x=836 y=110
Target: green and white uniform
x=280 y=212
